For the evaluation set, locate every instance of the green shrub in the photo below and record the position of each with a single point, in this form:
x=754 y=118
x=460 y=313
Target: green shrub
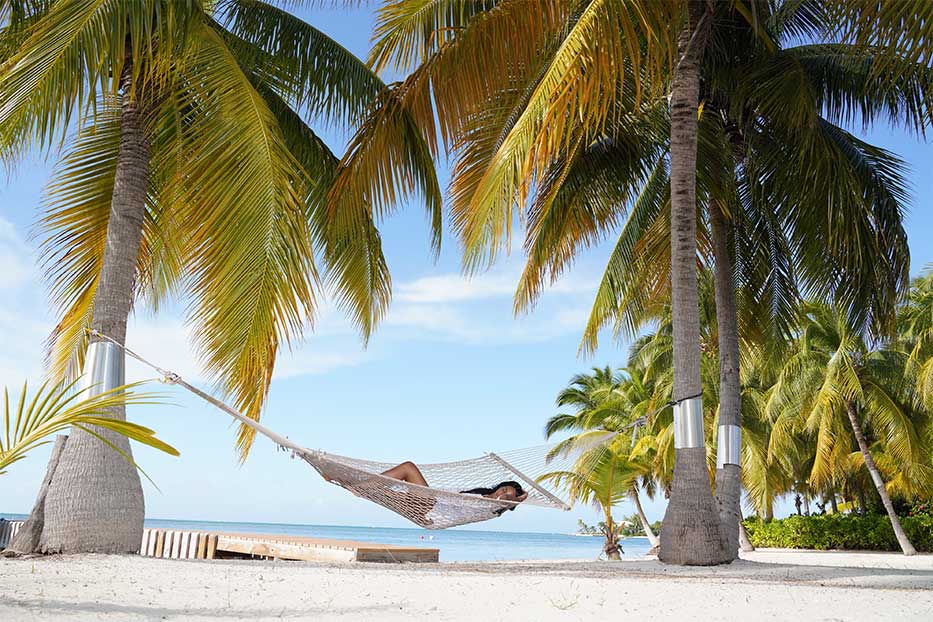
x=871 y=532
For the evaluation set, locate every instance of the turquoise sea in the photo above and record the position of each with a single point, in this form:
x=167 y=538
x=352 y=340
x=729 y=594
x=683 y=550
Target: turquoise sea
x=455 y=544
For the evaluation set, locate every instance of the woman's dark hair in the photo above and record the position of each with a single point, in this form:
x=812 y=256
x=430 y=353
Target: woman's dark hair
x=519 y=491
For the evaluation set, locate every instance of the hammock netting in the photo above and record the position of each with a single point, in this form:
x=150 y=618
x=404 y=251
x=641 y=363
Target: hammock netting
x=439 y=505
x=442 y=504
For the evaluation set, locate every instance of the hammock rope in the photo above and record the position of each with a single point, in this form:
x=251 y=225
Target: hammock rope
x=440 y=505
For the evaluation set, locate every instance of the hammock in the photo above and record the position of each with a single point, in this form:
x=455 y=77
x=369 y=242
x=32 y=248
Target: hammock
x=438 y=506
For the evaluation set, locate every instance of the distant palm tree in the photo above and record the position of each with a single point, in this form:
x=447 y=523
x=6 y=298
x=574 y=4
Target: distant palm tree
x=189 y=172
x=837 y=382
x=916 y=329
x=603 y=479
x=606 y=401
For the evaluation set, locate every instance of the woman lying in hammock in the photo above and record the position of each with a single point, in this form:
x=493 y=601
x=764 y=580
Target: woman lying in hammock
x=505 y=491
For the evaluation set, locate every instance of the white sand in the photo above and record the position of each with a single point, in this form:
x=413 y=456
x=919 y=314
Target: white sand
x=768 y=585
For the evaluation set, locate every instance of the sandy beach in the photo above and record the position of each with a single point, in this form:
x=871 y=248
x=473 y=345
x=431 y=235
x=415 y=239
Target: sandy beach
x=765 y=585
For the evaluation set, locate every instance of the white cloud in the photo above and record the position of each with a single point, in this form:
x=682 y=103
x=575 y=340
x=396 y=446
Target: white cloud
x=22 y=336
x=310 y=360
x=452 y=307
x=166 y=342
x=24 y=325
x=453 y=287
x=17 y=267
x=452 y=323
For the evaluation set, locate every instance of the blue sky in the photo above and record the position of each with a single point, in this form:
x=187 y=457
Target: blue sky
x=450 y=374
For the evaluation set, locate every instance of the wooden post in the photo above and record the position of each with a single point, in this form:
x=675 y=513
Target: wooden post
x=211 y=546
x=160 y=542
x=144 y=545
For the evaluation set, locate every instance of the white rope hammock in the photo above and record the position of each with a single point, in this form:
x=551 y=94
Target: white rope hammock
x=441 y=505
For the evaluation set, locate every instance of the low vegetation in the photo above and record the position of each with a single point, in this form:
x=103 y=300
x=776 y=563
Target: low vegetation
x=868 y=532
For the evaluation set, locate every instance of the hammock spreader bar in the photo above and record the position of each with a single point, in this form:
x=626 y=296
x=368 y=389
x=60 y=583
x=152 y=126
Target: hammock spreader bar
x=530 y=482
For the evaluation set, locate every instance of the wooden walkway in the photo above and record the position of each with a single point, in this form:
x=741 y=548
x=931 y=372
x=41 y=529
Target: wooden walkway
x=181 y=544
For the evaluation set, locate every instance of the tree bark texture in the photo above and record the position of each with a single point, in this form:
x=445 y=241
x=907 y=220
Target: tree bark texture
x=729 y=476
x=902 y=539
x=30 y=532
x=690 y=534
x=645 y=525
x=95 y=503
x=744 y=542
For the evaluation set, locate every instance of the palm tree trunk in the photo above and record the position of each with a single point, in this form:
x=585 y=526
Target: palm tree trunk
x=30 y=532
x=806 y=504
x=95 y=503
x=745 y=542
x=690 y=534
x=611 y=546
x=729 y=440
x=902 y=539
x=832 y=502
x=645 y=525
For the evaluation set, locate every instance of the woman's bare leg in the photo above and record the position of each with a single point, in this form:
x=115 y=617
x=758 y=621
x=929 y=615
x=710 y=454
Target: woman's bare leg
x=407 y=472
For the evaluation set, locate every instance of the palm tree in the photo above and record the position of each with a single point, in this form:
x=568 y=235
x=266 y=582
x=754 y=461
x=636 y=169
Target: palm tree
x=837 y=379
x=751 y=145
x=607 y=402
x=917 y=331
x=189 y=173
x=506 y=80
x=602 y=478
x=517 y=82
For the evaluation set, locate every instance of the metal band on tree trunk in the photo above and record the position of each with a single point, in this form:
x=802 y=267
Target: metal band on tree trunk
x=688 y=423
x=729 y=446
x=103 y=368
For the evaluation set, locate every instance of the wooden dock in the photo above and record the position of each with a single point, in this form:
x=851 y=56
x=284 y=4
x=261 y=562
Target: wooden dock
x=182 y=544
x=177 y=544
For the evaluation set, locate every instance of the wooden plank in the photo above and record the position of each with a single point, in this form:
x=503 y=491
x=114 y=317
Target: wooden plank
x=160 y=543
x=192 y=551
x=322 y=542
x=176 y=543
x=211 y=545
x=202 y=546
x=283 y=550
x=153 y=536
x=183 y=547
x=144 y=544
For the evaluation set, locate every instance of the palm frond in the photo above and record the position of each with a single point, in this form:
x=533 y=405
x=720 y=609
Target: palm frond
x=55 y=408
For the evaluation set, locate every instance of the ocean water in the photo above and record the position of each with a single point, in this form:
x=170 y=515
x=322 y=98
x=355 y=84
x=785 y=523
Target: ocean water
x=455 y=544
